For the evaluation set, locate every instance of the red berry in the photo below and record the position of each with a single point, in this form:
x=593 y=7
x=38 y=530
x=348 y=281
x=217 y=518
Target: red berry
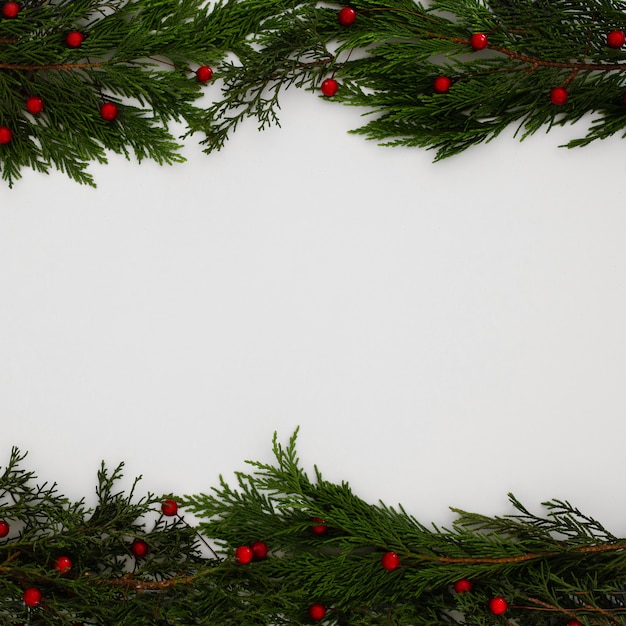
x=169 y=507
x=317 y=612
x=5 y=135
x=74 y=39
x=463 y=585
x=32 y=596
x=34 y=105
x=63 y=564
x=558 y=96
x=320 y=528
x=498 y=605
x=10 y=9
x=479 y=41
x=139 y=548
x=4 y=528
x=615 y=39
x=204 y=74
x=574 y=622
x=243 y=555
x=330 y=87
x=108 y=111
x=390 y=561
x=259 y=549
x=442 y=84
x=347 y=16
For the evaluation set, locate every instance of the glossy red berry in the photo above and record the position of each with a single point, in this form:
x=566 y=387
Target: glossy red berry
x=5 y=135
x=616 y=39
x=62 y=564
x=442 y=84
x=243 y=555
x=74 y=39
x=4 y=528
x=330 y=87
x=204 y=74
x=558 y=96
x=498 y=605
x=32 y=597
x=109 y=111
x=463 y=585
x=259 y=549
x=346 y=16
x=574 y=622
x=169 y=507
x=317 y=612
x=320 y=527
x=390 y=561
x=10 y=9
x=139 y=548
x=479 y=41
x=34 y=105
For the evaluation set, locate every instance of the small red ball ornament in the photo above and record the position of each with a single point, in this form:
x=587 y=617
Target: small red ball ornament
x=574 y=622
x=463 y=586
x=34 y=105
x=10 y=9
x=320 y=527
x=498 y=605
x=4 y=528
x=390 y=561
x=259 y=550
x=317 y=612
x=346 y=16
x=442 y=84
x=108 y=111
x=5 y=135
x=169 y=507
x=74 y=39
x=243 y=555
x=139 y=548
x=32 y=597
x=616 y=39
x=62 y=564
x=330 y=87
x=204 y=74
x=479 y=41
x=558 y=96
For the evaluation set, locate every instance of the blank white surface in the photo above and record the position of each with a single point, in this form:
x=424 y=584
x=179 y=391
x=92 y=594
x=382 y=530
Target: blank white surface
x=443 y=334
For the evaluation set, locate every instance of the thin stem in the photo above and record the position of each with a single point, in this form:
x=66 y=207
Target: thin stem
x=523 y=557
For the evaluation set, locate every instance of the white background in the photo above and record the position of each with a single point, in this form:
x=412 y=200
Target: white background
x=442 y=333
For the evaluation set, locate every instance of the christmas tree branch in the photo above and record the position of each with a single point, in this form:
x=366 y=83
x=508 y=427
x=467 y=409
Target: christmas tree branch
x=81 y=79
x=294 y=549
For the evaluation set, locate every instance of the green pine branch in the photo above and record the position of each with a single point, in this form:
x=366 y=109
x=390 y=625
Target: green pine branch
x=141 y=57
x=281 y=547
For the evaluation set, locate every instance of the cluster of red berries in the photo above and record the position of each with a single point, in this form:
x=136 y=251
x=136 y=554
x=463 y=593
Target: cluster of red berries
x=32 y=596
x=139 y=547
x=497 y=605
x=246 y=554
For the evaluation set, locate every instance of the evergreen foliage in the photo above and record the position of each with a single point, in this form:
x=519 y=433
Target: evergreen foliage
x=326 y=550
x=388 y=58
x=141 y=55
